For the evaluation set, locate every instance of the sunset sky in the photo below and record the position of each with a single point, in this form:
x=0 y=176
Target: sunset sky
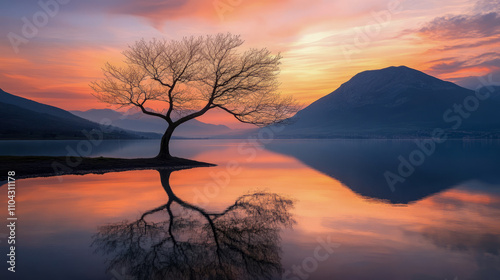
x=323 y=43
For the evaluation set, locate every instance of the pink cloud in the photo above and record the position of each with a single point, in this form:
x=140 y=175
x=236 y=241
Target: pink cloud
x=159 y=12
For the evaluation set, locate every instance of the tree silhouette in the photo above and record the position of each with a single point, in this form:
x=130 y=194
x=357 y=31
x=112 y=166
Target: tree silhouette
x=193 y=76
x=179 y=240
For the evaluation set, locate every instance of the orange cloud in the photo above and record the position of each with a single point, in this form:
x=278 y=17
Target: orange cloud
x=54 y=76
x=219 y=10
x=58 y=65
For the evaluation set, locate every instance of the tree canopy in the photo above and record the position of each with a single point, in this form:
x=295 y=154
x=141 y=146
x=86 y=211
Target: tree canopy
x=194 y=75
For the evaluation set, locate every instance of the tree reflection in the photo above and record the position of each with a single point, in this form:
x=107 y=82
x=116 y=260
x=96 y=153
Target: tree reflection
x=179 y=240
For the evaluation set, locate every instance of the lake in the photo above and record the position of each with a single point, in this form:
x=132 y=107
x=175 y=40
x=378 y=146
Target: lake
x=290 y=209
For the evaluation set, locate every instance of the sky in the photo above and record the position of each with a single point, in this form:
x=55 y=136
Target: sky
x=50 y=50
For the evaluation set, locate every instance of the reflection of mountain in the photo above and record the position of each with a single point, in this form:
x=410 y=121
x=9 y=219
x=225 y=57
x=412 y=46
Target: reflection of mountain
x=361 y=165
x=397 y=102
x=22 y=118
x=140 y=122
x=179 y=240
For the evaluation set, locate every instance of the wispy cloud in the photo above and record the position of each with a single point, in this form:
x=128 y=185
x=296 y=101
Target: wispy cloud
x=491 y=59
x=484 y=6
x=460 y=47
x=462 y=26
x=68 y=53
x=478 y=43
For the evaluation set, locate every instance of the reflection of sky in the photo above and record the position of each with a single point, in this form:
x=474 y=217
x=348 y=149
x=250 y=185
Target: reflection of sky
x=108 y=148
x=453 y=233
x=454 y=40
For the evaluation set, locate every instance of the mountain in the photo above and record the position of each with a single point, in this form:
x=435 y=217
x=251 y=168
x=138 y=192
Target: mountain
x=31 y=105
x=397 y=102
x=21 y=118
x=140 y=122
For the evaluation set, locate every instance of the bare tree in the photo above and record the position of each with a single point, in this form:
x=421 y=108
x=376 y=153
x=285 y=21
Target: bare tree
x=179 y=240
x=194 y=75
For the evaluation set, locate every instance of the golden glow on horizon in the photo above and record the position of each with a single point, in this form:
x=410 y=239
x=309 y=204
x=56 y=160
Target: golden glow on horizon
x=56 y=66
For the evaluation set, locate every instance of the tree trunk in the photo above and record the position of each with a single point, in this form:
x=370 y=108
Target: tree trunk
x=165 y=142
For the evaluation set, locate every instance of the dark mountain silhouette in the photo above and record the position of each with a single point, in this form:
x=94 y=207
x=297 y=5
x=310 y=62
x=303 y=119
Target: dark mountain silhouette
x=395 y=102
x=34 y=106
x=361 y=165
x=138 y=121
x=21 y=118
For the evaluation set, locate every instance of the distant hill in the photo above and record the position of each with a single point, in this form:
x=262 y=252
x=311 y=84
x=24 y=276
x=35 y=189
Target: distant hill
x=21 y=118
x=34 y=106
x=138 y=121
x=395 y=102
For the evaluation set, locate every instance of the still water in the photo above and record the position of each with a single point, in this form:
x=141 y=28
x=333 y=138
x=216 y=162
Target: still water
x=294 y=209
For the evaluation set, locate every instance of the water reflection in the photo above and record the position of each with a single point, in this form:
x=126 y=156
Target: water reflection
x=361 y=165
x=108 y=148
x=451 y=234
x=179 y=240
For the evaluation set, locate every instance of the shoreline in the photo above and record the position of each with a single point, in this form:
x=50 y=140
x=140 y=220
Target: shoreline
x=47 y=166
